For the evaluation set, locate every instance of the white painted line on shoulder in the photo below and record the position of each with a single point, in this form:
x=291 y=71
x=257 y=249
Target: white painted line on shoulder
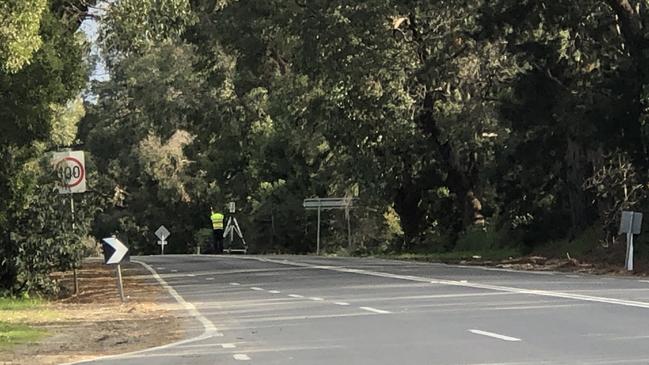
x=317 y=299
x=235 y=284
x=209 y=330
x=274 y=291
x=341 y=303
x=379 y=311
x=256 y=288
x=241 y=357
x=495 y=335
x=228 y=345
x=296 y=296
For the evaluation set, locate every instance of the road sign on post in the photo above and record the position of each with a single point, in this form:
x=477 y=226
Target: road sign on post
x=114 y=254
x=321 y=204
x=70 y=167
x=162 y=233
x=630 y=224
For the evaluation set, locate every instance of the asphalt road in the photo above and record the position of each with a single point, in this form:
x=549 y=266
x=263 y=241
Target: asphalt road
x=311 y=310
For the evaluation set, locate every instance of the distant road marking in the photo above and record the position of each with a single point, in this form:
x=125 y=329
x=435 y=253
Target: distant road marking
x=235 y=284
x=317 y=299
x=191 y=275
x=274 y=291
x=161 y=268
x=241 y=357
x=341 y=303
x=379 y=311
x=209 y=278
x=644 y=281
x=573 y=276
x=495 y=335
x=174 y=270
x=420 y=279
x=256 y=288
x=296 y=296
x=228 y=345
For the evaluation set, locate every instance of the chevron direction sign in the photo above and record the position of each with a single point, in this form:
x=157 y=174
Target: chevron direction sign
x=114 y=251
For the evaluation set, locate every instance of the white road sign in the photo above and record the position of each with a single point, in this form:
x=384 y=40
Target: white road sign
x=70 y=167
x=162 y=233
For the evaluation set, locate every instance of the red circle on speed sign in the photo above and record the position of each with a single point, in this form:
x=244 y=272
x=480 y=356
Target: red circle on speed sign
x=70 y=171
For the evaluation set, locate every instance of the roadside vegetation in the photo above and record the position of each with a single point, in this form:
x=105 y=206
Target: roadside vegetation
x=492 y=129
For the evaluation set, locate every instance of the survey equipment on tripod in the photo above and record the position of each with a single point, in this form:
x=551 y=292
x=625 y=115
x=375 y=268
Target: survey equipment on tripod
x=232 y=228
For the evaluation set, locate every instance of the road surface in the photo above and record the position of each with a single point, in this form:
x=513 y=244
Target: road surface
x=312 y=310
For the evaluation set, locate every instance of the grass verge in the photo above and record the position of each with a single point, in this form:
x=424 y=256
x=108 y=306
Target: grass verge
x=456 y=256
x=17 y=334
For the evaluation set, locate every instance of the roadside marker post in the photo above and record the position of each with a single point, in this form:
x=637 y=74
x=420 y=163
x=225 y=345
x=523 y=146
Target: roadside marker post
x=114 y=254
x=630 y=224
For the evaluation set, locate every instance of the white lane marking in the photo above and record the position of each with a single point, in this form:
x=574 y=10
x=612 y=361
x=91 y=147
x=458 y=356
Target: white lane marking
x=317 y=299
x=495 y=335
x=644 y=281
x=209 y=279
x=191 y=275
x=296 y=296
x=256 y=288
x=573 y=276
x=161 y=268
x=174 y=270
x=274 y=291
x=241 y=357
x=228 y=345
x=209 y=330
x=235 y=284
x=379 y=311
x=543 y=293
x=341 y=303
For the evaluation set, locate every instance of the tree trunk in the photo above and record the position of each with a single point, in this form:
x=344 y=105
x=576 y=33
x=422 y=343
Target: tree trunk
x=575 y=177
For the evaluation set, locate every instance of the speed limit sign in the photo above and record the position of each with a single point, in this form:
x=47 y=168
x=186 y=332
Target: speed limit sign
x=70 y=167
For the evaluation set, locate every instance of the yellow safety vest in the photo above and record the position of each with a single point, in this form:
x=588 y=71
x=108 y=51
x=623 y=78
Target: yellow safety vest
x=217 y=220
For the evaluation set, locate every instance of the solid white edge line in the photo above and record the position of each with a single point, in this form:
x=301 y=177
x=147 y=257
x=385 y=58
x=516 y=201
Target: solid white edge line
x=545 y=293
x=209 y=328
x=495 y=335
x=241 y=357
x=370 y=309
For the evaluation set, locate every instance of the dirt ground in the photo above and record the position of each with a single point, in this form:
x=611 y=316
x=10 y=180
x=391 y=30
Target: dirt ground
x=95 y=322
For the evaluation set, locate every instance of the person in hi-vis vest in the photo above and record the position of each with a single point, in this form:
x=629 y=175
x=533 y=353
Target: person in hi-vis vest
x=217 y=229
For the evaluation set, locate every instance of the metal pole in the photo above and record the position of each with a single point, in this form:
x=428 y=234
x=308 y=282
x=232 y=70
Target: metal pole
x=74 y=269
x=162 y=245
x=317 y=252
x=629 y=251
x=349 y=229
x=120 y=285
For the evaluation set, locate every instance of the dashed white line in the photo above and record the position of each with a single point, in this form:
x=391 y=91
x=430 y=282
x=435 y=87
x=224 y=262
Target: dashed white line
x=274 y=291
x=191 y=275
x=228 y=345
x=241 y=357
x=495 y=335
x=235 y=284
x=256 y=288
x=174 y=270
x=341 y=303
x=317 y=299
x=209 y=279
x=296 y=296
x=379 y=311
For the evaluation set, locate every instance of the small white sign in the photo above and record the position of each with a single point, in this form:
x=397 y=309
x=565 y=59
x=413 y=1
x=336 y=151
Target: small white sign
x=70 y=167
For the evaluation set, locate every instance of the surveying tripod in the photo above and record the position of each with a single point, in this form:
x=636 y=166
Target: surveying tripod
x=231 y=228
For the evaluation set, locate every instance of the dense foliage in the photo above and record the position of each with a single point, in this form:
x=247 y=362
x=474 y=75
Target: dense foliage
x=465 y=124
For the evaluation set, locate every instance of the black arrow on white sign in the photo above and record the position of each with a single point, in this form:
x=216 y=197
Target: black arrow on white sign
x=114 y=250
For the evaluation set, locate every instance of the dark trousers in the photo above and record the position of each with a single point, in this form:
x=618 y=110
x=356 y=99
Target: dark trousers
x=218 y=240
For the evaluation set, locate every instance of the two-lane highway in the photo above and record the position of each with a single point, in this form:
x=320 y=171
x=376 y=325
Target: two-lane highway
x=313 y=310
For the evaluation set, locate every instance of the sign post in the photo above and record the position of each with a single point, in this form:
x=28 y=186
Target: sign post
x=114 y=254
x=320 y=204
x=162 y=233
x=70 y=167
x=631 y=224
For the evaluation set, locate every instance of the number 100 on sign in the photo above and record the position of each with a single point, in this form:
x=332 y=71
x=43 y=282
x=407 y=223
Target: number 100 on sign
x=70 y=168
